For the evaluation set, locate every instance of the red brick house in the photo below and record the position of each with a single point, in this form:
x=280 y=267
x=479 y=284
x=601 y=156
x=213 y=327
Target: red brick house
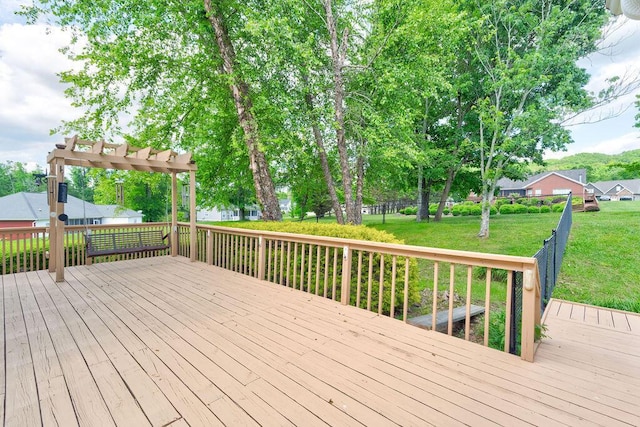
x=546 y=184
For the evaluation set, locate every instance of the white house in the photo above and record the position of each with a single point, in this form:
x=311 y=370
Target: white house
x=31 y=210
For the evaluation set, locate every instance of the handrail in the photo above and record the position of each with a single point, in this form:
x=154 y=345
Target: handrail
x=315 y=264
x=371 y=275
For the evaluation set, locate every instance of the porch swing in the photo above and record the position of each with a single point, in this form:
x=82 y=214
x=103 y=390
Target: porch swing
x=100 y=154
x=124 y=242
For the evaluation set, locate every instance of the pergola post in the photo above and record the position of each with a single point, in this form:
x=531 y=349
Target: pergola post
x=174 y=215
x=60 y=225
x=192 y=216
x=52 y=197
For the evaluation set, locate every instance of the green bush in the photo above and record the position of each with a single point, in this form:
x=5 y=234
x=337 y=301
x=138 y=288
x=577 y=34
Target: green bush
x=446 y=211
x=493 y=210
x=545 y=209
x=534 y=201
x=519 y=209
x=533 y=209
x=506 y=209
x=558 y=207
x=433 y=208
x=501 y=202
x=468 y=203
x=577 y=200
x=475 y=210
x=357 y=232
x=523 y=201
x=464 y=210
x=455 y=210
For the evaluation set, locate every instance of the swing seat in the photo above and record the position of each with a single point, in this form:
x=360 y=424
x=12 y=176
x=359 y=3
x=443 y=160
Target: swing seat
x=126 y=242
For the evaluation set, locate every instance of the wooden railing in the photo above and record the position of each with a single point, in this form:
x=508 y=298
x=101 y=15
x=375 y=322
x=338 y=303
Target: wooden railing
x=377 y=276
x=374 y=276
x=27 y=248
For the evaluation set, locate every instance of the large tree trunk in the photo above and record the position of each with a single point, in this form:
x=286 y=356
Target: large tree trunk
x=324 y=162
x=265 y=190
x=487 y=193
x=423 y=200
x=359 y=186
x=445 y=192
x=338 y=56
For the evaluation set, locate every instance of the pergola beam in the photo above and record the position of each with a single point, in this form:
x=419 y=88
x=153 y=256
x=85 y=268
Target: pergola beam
x=104 y=155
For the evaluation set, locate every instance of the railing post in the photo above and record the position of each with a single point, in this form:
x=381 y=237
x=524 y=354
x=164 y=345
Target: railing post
x=530 y=313
x=209 y=247
x=262 y=255
x=345 y=290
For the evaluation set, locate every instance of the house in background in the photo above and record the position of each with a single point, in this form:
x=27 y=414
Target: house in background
x=32 y=210
x=546 y=184
x=623 y=189
x=251 y=212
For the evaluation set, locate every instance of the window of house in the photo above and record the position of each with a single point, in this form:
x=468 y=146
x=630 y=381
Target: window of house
x=561 y=191
x=538 y=192
x=529 y=192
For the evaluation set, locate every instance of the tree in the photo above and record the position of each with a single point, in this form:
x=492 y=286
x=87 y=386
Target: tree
x=527 y=51
x=175 y=63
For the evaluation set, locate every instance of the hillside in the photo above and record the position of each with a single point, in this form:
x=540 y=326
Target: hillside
x=599 y=166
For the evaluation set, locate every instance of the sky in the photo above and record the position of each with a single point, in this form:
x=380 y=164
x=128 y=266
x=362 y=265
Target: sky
x=32 y=100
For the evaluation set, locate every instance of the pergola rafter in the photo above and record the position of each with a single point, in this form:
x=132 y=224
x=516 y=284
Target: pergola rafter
x=104 y=155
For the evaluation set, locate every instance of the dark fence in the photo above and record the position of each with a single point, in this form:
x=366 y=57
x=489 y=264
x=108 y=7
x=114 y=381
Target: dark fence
x=549 y=262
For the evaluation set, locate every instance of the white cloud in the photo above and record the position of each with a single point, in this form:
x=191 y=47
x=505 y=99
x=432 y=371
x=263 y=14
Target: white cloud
x=32 y=99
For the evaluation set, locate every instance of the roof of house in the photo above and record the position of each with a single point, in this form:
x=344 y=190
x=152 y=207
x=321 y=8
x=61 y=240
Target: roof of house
x=632 y=185
x=577 y=175
x=33 y=207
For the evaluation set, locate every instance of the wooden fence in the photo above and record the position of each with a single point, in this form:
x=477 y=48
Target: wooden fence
x=27 y=248
x=376 y=276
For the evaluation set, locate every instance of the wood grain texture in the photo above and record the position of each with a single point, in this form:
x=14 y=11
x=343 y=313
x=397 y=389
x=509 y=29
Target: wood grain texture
x=167 y=342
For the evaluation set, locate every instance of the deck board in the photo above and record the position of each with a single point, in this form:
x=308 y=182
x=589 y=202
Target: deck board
x=163 y=341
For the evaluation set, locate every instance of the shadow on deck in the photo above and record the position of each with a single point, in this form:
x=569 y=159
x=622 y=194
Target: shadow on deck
x=162 y=341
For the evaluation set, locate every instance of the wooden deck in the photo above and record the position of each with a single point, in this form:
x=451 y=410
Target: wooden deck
x=163 y=341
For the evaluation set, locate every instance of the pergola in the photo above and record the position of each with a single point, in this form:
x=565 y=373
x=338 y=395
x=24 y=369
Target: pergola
x=100 y=154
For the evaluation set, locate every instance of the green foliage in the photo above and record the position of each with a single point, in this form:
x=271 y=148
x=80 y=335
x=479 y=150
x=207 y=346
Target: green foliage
x=506 y=210
x=533 y=209
x=475 y=210
x=14 y=178
x=358 y=233
x=558 y=207
x=600 y=167
x=545 y=209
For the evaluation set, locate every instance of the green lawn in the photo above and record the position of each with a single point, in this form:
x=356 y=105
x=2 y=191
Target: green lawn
x=601 y=264
x=602 y=261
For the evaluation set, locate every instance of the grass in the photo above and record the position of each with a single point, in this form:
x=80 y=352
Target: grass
x=602 y=259
x=601 y=262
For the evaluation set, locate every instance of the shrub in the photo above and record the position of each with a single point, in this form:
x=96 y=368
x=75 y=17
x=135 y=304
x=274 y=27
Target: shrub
x=500 y=202
x=558 y=207
x=545 y=209
x=523 y=201
x=468 y=203
x=357 y=232
x=533 y=209
x=464 y=210
x=433 y=208
x=446 y=211
x=455 y=210
x=534 y=201
x=519 y=209
x=507 y=209
x=475 y=210
x=493 y=210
